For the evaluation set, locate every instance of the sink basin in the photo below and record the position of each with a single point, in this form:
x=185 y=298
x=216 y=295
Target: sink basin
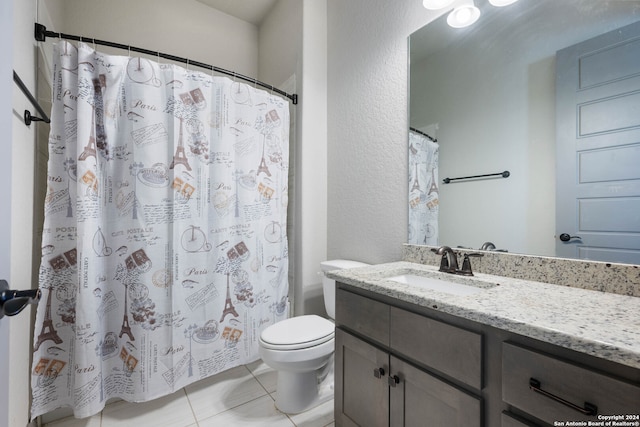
x=436 y=284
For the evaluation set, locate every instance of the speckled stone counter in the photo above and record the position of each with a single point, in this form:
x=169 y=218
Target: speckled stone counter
x=623 y=279
x=604 y=325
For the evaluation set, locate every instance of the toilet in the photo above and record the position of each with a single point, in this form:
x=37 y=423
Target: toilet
x=301 y=350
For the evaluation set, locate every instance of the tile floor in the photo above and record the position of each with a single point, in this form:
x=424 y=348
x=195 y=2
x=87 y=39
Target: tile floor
x=242 y=396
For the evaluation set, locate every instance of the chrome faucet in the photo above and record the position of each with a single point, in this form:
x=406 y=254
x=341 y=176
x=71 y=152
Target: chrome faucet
x=449 y=262
x=487 y=246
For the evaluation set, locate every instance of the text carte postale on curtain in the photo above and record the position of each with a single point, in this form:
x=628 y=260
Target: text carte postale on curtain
x=164 y=250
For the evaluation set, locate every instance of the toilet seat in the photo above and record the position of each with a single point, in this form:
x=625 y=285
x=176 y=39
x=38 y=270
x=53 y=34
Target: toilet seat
x=298 y=333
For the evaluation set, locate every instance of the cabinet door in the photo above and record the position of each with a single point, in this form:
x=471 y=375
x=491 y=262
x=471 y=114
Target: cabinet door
x=361 y=389
x=420 y=399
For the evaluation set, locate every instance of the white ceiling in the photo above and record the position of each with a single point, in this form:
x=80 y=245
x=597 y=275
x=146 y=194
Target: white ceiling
x=252 y=11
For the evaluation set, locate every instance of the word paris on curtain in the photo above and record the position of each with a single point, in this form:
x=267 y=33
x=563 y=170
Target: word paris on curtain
x=164 y=252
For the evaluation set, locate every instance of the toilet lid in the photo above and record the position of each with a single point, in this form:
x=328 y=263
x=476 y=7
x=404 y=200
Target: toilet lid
x=298 y=332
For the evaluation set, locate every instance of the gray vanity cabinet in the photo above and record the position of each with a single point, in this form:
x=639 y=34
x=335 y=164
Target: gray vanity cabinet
x=398 y=364
x=377 y=384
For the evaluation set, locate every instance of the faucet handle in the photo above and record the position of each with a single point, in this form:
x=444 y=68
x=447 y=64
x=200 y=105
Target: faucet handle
x=444 y=263
x=466 y=263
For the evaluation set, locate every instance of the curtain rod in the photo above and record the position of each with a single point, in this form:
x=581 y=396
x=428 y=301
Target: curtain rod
x=28 y=118
x=41 y=34
x=424 y=134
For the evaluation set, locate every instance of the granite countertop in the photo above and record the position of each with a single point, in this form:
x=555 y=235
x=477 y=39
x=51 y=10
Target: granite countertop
x=600 y=324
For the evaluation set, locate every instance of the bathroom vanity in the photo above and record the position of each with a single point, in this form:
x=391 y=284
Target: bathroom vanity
x=513 y=353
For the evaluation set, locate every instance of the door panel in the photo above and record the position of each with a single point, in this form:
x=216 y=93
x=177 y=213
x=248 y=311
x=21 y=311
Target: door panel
x=598 y=147
x=420 y=399
x=609 y=164
x=361 y=398
x=610 y=64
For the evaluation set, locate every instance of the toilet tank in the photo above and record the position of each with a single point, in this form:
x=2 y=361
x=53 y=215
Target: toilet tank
x=329 y=285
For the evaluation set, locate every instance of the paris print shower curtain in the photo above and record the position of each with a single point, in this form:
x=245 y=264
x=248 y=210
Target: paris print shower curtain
x=164 y=252
x=423 y=190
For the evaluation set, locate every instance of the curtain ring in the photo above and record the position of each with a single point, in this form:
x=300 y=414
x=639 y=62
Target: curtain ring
x=129 y=48
x=158 y=55
x=188 y=64
x=234 y=76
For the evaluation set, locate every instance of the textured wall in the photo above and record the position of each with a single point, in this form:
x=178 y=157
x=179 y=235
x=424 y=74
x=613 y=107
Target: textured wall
x=188 y=29
x=367 y=126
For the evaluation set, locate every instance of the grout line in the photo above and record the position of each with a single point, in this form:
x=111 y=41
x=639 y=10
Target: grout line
x=258 y=381
x=191 y=406
x=235 y=407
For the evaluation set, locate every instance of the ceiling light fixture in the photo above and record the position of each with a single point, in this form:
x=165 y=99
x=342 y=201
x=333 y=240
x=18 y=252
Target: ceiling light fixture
x=501 y=3
x=436 y=4
x=464 y=15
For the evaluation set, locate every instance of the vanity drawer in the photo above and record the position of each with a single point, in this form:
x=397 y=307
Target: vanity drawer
x=575 y=385
x=451 y=350
x=363 y=316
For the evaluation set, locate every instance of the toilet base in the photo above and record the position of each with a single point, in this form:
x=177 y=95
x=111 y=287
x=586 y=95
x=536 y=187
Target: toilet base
x=298 y=392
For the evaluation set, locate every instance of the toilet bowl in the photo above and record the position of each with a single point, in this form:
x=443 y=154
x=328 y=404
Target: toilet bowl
x=301 y=350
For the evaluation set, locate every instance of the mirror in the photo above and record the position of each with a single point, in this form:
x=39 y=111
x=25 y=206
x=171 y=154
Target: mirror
x=487 y=94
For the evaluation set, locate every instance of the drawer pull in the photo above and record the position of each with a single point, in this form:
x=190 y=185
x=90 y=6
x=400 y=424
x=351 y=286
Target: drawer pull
x=589 y=408
x=378 y=372
x=393 y=380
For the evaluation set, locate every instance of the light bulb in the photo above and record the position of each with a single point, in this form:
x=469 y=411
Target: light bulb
x=436 y=4
x=463 y=16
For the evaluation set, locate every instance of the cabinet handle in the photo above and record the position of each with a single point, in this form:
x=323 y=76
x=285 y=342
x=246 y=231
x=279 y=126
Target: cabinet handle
x=378 y=372
x=589 y=408
x=393 y=380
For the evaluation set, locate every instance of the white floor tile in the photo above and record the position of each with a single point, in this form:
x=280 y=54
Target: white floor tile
x=223 y=391
x=74 y=422
x=173 y=410
x=233 y=398
x=267 y=376
x=260 y=412
x=320 y=416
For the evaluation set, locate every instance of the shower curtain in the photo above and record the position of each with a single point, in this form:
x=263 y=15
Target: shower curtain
x=164 y=250
x=423 y=190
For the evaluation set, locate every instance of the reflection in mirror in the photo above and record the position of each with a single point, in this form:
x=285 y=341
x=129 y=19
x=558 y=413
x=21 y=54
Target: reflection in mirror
x=487 y=93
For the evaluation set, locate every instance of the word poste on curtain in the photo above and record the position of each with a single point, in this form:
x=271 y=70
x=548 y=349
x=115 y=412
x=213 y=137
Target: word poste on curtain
x=164 y=251
x=423 y=190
